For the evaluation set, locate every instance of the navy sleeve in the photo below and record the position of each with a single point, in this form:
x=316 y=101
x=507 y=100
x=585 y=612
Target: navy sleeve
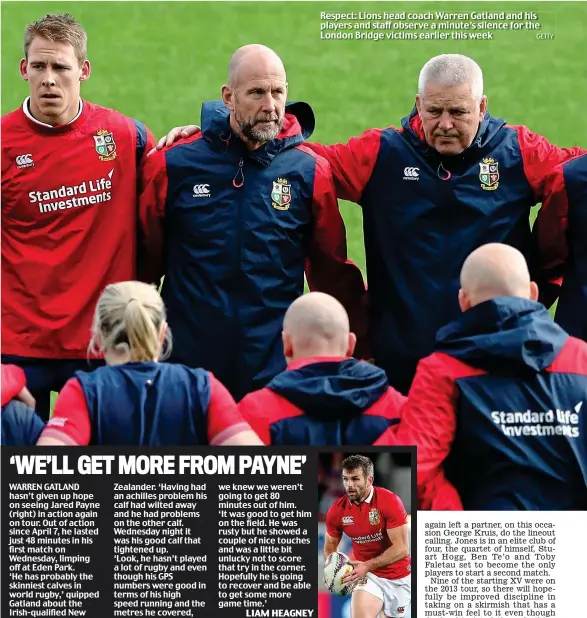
x=20 y=425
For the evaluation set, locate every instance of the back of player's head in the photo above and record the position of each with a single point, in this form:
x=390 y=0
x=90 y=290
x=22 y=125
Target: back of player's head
x=495 y=270
x=61 y=28
x=316 y=324
x=358 y=462
x=130 y=320
x=452 y=70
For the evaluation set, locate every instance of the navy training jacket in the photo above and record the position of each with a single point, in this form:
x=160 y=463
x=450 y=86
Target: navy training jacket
x=424 y=213
x=147 y=404
x=324 y=401
x=561 y=230
x=233 y=232
x=501 y=405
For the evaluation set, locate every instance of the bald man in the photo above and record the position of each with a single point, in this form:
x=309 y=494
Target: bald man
x=324 y=397
x=233 y=216
x=498 y=410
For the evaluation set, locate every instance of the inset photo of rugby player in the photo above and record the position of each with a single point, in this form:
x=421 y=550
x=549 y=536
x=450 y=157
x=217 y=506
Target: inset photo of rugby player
x=364 y=532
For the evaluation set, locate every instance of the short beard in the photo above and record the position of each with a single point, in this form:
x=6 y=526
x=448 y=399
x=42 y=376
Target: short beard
x=255 y=134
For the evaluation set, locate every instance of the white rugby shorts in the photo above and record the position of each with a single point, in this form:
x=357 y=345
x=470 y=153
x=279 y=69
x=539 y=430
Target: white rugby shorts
x=396 y=594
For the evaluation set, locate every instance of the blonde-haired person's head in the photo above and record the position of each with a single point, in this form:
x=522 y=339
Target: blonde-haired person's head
x=130 y=324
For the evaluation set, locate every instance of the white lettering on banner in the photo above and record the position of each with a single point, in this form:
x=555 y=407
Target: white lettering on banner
x=552 y=423
x=95 y=191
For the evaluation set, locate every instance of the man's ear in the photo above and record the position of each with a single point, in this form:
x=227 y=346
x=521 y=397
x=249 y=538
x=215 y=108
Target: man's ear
x=85 y=72
x=228 y=97
x=23 y=69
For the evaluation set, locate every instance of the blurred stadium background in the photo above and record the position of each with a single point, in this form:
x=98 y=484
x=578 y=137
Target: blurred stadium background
x=392 y=471
x=157 y=61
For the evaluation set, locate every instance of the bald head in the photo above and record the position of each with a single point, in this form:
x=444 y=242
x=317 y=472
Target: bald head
x=253 y=59
x=495 y=270
x=316 y=324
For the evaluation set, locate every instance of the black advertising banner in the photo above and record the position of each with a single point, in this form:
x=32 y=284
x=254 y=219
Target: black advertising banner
x=132 y=532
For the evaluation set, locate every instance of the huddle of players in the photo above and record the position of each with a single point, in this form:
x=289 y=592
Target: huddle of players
x=481 y=363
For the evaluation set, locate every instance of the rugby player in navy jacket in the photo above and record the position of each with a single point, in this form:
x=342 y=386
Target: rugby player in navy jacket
x=451 y=179
x=324 y=397
x=232 y=215
x=498 y=410
x=561 y=231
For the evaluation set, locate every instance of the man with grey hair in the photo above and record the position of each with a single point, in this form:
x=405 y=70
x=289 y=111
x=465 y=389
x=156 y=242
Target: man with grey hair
x=233 y=216
x=496 y=410
x=324 y=397
x=451 y=179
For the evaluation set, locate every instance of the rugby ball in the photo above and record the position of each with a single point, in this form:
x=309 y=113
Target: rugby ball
x=336 y=567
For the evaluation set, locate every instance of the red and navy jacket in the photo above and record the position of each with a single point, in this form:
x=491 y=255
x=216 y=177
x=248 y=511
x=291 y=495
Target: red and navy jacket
x=498 y=413
x=144 y=404
x=69 y=225
x=424 y=213
x=20 y=426
x=323 y=401
x=561 y=231
x=232 y=230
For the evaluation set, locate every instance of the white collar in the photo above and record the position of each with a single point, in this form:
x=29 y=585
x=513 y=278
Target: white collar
x=27 y=113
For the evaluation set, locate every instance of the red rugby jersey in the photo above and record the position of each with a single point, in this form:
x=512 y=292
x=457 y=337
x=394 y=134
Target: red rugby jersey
x=366 y=524
x=69 y=224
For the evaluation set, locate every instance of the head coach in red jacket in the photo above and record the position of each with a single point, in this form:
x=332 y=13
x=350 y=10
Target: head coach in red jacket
x=232 y=216
x=70 y=171
x=449 y=180
x=498 y=410
x=324 y=397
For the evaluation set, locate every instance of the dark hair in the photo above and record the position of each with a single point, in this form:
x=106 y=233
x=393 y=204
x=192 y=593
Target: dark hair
x=359 y=462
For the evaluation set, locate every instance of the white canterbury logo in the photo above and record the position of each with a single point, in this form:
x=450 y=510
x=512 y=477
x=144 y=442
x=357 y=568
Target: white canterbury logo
x=411 y=173
x=347 y=520
x=201 y=190
x=25 y=160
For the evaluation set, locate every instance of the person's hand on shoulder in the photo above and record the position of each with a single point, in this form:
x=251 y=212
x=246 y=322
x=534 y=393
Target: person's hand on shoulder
x=175 y=134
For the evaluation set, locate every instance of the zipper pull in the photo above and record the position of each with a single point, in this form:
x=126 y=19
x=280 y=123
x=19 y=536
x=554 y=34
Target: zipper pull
x=238 y=184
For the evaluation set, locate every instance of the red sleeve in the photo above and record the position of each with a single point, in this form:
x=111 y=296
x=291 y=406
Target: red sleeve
x=152 y=197
x=71 y=419
x=327 y=267
x=429 y=421
x=254 y=412
x=13 y=381
x=333 y=523
x=394 y=511
x=540 y=157
x=224 y=418
x=352 y=163
x=549 y=236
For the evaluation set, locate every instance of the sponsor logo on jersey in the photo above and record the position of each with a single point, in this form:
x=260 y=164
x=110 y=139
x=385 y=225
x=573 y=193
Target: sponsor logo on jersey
x=411 y=173
x=24 y=160
x=281 y=194
x=347 y=520
x=201 y=191
x=105 y=145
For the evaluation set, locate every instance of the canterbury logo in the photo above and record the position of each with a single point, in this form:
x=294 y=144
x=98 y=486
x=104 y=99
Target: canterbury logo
x=25 y=160
x=201 y=190
x=411 y=173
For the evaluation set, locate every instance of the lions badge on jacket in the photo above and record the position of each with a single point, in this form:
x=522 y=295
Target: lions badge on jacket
x=105 y=145
x=281 y=194
x=489 y=174
x=374 y=518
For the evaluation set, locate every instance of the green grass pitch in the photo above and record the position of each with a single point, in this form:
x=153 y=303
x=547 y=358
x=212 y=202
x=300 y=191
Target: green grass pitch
x=157 y=61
